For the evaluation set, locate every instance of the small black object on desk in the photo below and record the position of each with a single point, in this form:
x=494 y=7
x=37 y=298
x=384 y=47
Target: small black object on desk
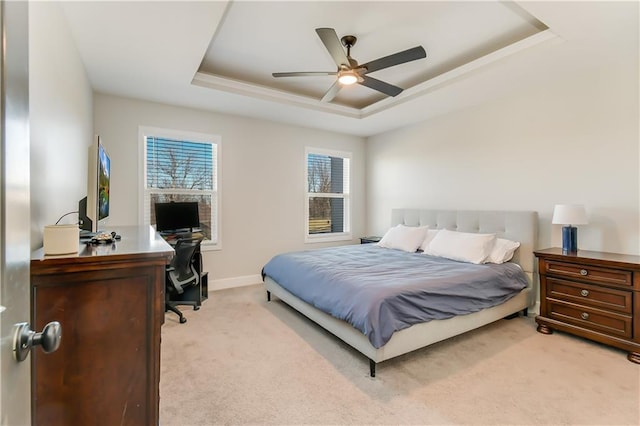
x=103 y=238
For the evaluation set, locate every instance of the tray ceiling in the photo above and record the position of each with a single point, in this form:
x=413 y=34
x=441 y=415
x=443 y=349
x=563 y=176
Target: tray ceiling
x=218 y=55
x=255 y=39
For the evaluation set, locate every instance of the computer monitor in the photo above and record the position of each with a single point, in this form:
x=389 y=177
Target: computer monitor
x=177 y=216
x=93 y=210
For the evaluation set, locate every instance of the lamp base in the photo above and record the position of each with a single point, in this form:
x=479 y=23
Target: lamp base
x=569 y=239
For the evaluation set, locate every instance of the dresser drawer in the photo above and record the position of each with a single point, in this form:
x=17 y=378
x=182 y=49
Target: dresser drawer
x=590 y=295
x=589 y=273
x=606 y=322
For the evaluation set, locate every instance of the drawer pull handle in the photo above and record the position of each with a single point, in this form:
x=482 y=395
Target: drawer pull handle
x=583 y=272
x=584 y=293
x=584 y=315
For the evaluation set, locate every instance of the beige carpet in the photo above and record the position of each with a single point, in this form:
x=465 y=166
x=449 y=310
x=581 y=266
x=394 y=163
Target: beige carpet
x=243 y=360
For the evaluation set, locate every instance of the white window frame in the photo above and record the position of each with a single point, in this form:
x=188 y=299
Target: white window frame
x=146 y=131
x=346 y=195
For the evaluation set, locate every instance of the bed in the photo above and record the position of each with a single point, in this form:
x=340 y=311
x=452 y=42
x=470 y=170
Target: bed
x=380 y=345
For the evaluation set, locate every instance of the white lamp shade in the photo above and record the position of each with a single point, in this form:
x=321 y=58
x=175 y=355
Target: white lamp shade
x=569 y=214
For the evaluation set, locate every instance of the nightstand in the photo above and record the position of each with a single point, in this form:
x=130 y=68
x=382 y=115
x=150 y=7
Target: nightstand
x=368 y=240
x=591 y=294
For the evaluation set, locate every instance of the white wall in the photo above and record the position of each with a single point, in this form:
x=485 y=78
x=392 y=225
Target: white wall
x=570 y=141
x=263 y=178
x=60 y=102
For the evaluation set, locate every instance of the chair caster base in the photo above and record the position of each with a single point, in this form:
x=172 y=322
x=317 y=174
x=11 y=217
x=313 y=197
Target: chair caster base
x=183 y=320
x=196 y=308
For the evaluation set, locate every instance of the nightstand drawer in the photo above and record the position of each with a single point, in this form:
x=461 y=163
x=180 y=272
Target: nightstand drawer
x=590 y=295
x=609 y=323
x=589 y=273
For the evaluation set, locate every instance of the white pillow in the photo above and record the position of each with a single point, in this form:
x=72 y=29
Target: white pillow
x=502 y=251
x=431 y=233
x=462 y=246
x=401 y=237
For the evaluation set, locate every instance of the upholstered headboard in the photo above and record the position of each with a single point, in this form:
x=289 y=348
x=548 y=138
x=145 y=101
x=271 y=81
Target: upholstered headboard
x=519 y=226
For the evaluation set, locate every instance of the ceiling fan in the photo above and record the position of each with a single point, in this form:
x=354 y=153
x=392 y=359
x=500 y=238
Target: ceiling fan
x=349 y=71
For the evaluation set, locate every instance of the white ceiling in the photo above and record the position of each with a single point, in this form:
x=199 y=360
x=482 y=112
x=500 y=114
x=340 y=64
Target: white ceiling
x=219 y=56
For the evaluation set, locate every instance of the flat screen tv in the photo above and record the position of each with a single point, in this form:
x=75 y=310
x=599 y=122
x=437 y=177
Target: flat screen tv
x=94 y=208
x=177 y=216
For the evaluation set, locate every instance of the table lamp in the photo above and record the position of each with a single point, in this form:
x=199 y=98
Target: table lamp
x=569 y=215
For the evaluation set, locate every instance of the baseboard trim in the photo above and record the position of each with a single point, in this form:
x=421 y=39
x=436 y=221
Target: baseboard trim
x=234 y=282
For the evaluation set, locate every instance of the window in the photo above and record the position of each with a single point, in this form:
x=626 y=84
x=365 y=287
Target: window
x=181 y=166
x=327 y=199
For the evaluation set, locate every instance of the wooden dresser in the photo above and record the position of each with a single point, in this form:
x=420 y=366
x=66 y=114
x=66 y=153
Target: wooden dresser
x=591 y=294
x=109 y=300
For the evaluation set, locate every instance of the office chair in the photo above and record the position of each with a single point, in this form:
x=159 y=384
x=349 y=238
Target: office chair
x=181 y=275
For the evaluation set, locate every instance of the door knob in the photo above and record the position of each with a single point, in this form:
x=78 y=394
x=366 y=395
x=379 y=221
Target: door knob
x=24 y=339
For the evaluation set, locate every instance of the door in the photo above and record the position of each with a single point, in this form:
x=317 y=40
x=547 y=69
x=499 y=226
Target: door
x=15 y=247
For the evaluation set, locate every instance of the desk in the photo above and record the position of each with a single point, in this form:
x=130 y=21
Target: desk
x=109 y=299
x=173 y=237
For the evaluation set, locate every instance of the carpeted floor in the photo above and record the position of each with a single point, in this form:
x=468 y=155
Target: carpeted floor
x=243 y=360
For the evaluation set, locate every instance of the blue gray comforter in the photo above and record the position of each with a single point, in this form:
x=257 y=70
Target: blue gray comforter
x=380 y=291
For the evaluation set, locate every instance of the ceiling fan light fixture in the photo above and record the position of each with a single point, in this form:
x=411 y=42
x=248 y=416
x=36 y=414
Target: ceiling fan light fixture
x=347 y=78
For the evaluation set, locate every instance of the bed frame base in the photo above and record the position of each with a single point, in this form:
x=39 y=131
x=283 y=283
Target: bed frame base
x=403 y=341
x=517 y=314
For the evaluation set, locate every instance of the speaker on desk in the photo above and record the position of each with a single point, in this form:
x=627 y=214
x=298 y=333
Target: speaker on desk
x=61 y=239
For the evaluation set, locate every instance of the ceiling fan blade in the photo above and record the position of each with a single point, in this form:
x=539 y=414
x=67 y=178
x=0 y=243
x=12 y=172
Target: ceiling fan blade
x=332 y=43
x=396 y=59
x=380 y=86
x=303 y=74
x=331 y=93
